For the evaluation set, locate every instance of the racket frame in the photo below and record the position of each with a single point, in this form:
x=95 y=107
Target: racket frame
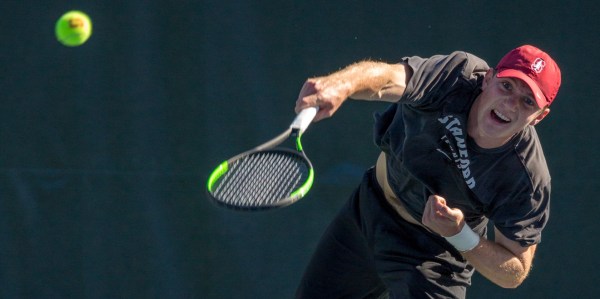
x=295 y=131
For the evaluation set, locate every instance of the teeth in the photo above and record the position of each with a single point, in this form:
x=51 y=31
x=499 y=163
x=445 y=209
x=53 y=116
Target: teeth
x=501 y=116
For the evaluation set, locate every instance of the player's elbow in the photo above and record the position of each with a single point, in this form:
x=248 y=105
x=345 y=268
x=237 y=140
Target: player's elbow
x=512 y=282
x=511 y=285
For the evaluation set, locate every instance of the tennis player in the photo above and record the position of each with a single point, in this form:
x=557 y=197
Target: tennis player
x=459 y=149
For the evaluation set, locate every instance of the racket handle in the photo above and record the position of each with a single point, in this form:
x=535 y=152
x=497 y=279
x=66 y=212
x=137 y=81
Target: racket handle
x=304 y=118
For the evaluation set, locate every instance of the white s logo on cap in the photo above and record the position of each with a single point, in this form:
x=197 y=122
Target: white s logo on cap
x=538 y=65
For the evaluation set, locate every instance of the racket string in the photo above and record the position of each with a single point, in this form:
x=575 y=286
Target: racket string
x=261 y=179
x=290 y=179
x=283 y=177
x=238 y=177
x=267 y=185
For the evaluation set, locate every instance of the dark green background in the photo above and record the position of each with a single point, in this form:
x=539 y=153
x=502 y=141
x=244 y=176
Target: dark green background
x=105 y=148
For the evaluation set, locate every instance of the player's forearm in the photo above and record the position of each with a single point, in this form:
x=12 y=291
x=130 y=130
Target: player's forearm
x=498 y=264
x=370 y=80
x=503 y=261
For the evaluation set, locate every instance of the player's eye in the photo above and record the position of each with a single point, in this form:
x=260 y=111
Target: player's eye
x=506 y=85
x=529 y=101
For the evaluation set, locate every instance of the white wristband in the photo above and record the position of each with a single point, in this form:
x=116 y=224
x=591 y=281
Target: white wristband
x=465 y=240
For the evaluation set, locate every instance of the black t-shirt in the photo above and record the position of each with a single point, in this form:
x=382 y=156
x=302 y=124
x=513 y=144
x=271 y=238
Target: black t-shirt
x=429 y=152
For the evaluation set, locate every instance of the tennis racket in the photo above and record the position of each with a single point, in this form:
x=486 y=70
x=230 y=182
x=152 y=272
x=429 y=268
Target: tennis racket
x=267 y=176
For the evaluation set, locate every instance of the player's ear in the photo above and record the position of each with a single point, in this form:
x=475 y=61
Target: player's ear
x=488 y=76
x=543 y=114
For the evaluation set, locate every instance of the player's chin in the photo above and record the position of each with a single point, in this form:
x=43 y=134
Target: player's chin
x=496 y=134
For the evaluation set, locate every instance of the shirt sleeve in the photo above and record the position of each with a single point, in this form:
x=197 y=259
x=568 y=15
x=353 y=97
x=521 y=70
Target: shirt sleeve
x=522 y=208
x=523 y=219
x=433 y=77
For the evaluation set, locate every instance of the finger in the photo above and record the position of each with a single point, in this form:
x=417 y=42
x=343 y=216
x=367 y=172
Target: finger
x=438 y=200
x=452 y=215
x=322 y=114
x=304 y=102
x=442 y=210
x=433 y=212
x=427 y=211
x=441 y=200
x=434 y=205
x=439 y=203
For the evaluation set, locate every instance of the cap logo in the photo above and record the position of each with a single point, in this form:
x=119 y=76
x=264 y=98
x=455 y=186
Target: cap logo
x=538 y=65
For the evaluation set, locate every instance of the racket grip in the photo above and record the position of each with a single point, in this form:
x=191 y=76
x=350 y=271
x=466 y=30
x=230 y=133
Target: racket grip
x=304 y=118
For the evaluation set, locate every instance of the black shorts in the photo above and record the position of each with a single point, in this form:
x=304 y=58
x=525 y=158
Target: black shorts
x=369 y=251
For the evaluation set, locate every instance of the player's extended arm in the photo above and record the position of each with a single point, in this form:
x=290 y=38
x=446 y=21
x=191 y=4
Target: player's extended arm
x=502 y=261
x=365 y=80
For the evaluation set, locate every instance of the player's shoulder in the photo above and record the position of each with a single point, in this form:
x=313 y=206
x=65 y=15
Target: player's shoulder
x=472 y=64
x=462 y=63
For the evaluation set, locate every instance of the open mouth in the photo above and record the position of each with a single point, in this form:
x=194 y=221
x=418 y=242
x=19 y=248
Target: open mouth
x=499 y=117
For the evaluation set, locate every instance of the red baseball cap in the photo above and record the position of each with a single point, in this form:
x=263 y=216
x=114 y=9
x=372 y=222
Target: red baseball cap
x=536 y=68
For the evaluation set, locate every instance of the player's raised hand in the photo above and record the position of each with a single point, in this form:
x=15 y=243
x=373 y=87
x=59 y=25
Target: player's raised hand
x=328 y=93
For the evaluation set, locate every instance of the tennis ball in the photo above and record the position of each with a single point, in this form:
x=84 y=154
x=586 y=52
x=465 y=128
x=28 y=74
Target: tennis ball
x=73 y=28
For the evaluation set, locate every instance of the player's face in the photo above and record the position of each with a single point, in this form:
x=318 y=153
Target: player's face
x=504 y=107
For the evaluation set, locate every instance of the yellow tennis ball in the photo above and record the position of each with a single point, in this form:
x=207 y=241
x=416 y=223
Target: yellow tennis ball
x=73 y=28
